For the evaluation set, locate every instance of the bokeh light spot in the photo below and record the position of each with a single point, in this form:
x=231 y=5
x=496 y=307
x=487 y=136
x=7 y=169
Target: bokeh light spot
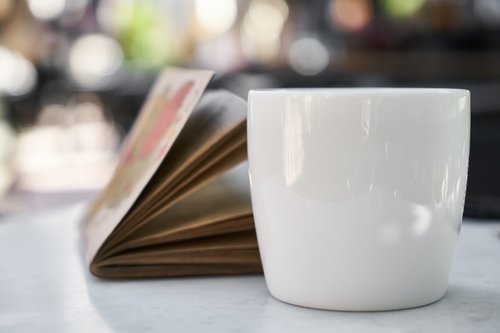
x=215 y=17
x=46 y=9
x=308 y=56
x=93 y=59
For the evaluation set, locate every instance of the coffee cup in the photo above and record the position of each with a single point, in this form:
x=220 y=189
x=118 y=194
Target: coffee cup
x=358 y=193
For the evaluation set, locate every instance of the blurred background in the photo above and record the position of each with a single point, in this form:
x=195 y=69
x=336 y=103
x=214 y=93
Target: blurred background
x=73 y=73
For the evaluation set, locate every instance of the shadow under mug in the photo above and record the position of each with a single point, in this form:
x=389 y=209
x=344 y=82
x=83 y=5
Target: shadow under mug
x=358 y=193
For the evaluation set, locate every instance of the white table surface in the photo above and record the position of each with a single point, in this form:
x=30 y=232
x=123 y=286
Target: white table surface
x=45 y=287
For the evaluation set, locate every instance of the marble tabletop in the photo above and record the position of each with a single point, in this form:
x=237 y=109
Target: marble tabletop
x=46 y=287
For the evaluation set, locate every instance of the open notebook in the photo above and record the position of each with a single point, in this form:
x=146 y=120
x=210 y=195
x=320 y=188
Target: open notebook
x=179 y=201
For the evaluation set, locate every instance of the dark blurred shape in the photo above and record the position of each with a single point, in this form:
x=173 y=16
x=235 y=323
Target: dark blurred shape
x=483 y=187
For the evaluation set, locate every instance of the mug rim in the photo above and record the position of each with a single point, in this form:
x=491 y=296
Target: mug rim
x=359 y=91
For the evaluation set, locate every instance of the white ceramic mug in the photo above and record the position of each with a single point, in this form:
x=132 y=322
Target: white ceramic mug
x=358 y=193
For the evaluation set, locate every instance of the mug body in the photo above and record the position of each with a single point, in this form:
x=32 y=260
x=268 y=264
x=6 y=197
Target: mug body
x=358 y=193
